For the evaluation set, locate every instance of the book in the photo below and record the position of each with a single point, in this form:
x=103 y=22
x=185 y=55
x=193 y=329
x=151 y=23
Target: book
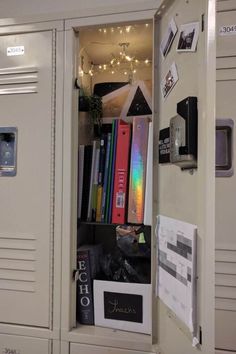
x=102 y=158
x=86 y=181
x=105 y=182
x=149 y=179
x=95 y=146
x=137 y=180
x=121 y=173
x=85 y=313
x=80 y=177
x=109 y=181
x=95 y=185
x=88 y=266
x=109 y=216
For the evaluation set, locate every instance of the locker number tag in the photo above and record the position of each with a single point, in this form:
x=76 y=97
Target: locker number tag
x=12 y=51
x=227 y=30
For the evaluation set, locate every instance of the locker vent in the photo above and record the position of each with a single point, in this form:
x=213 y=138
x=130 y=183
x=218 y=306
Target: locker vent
x=18 y=80
x=225 y=280
x=17 y=263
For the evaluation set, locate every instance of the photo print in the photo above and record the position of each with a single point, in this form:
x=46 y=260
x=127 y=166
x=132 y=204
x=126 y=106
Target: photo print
x=168 y=38
x=188 y=37
x=169 y=80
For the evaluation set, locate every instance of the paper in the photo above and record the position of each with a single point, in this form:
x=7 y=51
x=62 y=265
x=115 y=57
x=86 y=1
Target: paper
x=176 y=283
x=168 y=38
x=169 y=81
x=188 y=37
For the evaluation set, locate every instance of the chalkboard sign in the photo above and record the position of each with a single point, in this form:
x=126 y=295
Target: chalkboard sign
x=123 y=307
x=164 y=145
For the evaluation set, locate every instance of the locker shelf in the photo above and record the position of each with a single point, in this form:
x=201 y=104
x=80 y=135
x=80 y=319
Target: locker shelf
x=95 y=335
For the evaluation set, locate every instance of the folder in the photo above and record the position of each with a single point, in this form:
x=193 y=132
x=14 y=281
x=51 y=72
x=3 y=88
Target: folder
x=138 y=163
x=121 y=173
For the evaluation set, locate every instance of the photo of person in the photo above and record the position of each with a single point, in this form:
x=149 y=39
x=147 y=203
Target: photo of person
x=188 y=37
x=169 y=80
x=168 y=38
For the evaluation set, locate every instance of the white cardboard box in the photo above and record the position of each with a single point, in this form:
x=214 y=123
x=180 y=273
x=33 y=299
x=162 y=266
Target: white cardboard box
x=125 y=306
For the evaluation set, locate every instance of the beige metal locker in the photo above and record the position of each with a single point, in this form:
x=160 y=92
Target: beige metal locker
x=225 y=302
x=22 y=344
x=177 y=194
x=27 y=214
x=89 y=349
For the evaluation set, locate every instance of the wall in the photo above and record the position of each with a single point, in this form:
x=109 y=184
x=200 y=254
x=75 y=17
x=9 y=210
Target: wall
x=11 y=8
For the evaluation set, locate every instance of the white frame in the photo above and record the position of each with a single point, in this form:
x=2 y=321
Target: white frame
x=144 y=290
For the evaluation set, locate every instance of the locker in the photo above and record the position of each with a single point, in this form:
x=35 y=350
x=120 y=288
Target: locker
x=89 y=349
x=225 y=302
x=28 y=102
x=21 y=344
x=26 y=90
x=176 y=193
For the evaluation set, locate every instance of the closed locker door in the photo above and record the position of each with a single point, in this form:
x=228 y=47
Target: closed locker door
x=26 y=187
x=226 y=188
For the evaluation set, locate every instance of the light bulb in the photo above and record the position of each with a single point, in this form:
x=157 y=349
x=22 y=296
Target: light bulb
x=127 y=57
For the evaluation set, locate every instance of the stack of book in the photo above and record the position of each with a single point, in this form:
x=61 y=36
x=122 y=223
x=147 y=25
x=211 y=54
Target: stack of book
x=112 y=174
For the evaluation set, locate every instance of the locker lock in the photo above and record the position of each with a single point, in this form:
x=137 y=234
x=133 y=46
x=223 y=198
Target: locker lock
x=8 y=137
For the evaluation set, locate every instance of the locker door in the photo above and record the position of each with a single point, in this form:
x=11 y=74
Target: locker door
x=181 y=195
x=26 y=208
x=225 y=189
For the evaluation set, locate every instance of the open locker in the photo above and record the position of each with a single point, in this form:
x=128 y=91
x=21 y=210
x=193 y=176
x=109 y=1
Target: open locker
x=184 y=195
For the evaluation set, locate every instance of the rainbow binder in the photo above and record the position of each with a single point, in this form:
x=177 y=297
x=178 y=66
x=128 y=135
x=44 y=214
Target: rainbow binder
x=138 y=170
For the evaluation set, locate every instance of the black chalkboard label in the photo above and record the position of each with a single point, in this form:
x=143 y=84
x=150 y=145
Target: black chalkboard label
x=164 y=145
x=123 y=307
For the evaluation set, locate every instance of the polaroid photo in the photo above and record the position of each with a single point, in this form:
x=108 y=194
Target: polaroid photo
x=188 y=37
x=168 y=38
x=169 y=80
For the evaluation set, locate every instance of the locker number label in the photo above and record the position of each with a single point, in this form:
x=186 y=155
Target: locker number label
x=12 y=51
x=10 y=351
x=227 y=30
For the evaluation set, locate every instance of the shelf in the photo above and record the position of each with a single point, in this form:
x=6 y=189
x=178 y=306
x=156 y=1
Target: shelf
x=95 y=335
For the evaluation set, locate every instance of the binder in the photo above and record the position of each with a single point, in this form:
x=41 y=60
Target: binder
x=138 y=162
x=149 y=179
x=121 y=173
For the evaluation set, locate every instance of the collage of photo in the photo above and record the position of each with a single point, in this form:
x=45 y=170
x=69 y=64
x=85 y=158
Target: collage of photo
x=186 y=42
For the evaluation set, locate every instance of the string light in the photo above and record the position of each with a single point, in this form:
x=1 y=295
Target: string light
x=123 y=62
